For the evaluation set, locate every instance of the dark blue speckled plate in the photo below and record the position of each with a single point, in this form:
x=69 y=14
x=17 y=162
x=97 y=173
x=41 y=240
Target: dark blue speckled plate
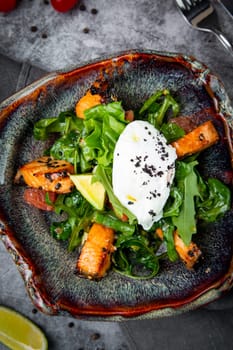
x=46 y=266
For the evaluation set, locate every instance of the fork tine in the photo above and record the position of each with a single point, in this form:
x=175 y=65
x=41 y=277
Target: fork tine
x=201 y=15
x=195 y=10
x=187 y=4
x=182 y=4
x=191 y=4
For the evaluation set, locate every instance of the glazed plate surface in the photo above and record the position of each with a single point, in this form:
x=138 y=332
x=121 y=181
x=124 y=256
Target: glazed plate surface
x=46 y=266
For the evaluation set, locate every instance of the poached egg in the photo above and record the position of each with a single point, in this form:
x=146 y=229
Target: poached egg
x=143 y=171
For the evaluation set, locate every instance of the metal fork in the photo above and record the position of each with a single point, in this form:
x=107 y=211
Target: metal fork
x=201 y=15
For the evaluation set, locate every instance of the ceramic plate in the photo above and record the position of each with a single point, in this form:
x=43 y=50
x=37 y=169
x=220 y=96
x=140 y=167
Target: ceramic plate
x=46 y=266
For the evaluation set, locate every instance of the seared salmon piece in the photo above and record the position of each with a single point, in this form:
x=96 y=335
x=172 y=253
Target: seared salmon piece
x=47 y=174
x=89 y=100
x=95 y=256
x=200 y=138
x=189 y=254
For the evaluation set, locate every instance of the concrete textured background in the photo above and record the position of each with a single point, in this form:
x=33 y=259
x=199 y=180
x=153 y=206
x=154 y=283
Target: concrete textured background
x=35 y=39
x=94 y=28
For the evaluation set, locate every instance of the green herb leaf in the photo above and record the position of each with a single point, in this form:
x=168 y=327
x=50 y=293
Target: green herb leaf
x=186 y=178
x=102 y=128
x=63 y=124
x=135 y=258
x=110 y=220
x=79 y=218
x=216 y=202
x=104 y=175
x=172 y=131
x=156 y=107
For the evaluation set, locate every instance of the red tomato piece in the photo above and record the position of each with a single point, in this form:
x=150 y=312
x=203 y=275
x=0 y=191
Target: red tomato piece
x=63 y=5
x=7 y=5
x=37 y=198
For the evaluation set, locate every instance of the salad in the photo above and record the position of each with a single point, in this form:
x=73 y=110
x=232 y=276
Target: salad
x=124 y=184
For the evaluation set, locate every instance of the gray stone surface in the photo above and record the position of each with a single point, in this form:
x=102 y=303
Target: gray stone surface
x=63 y=333
x=61 y=41
x=64 y=40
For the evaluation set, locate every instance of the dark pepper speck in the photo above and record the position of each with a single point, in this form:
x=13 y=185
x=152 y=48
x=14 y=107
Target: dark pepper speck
x=58 y=185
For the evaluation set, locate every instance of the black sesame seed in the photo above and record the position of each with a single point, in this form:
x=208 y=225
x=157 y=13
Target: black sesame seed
x=190 y=253
x=154 y=194
x=152 y=213
x=34 y=29
x=63 y=173
x=48 y=176
x=94 y=11
x=149 y=169
x=58 y=185
x=82 y=7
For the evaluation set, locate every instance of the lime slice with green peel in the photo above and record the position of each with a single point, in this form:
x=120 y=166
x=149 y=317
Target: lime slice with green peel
x=19 y=333
x=93 y=192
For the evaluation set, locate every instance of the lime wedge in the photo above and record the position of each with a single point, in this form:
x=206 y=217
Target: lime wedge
x=19 y=333
x=94 y=192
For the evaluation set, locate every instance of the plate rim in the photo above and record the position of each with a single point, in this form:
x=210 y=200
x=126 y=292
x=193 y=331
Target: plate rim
x=41 y=301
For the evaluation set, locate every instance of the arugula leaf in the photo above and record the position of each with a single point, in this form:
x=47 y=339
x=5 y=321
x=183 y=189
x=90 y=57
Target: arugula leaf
x=103 y=175
x=172 y=131
x=168 y=231
x=156 y=107
x=110 y=220
x=216 y=201
x=79 y=217
x=135 y=257
x=151 y=101
x=187 y=181
x=174 y=202
x=61 y=230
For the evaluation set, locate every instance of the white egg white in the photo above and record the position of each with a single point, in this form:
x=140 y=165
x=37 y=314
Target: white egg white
x=143 y=171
